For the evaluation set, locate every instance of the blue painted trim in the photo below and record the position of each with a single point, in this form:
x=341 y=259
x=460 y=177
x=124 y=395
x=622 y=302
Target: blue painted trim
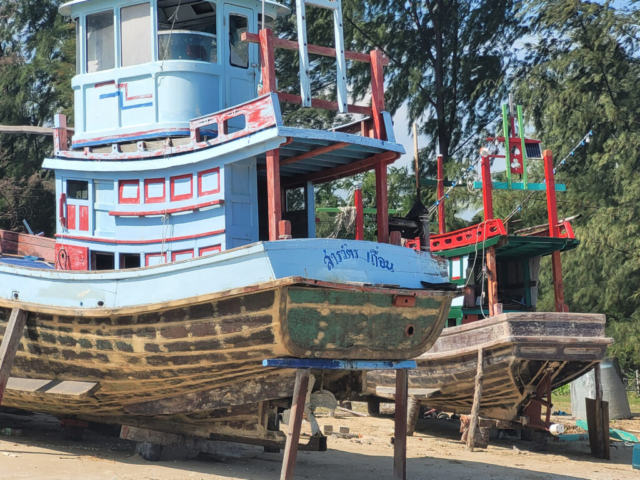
x=321 y=364
x=121 y=102
x=560 y=187
x=175 y=133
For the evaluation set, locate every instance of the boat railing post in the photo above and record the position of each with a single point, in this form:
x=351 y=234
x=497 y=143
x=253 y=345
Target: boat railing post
x=382 y=202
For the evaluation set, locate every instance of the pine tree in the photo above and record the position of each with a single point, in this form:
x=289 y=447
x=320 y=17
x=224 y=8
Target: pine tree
x=582 y=75
x=37 y=62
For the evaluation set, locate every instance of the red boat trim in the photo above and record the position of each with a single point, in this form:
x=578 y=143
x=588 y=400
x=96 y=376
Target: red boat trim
x=168 y=211
x=138 y=242
x=468 y=236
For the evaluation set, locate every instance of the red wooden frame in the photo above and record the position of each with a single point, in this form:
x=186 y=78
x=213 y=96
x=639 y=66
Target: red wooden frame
x=153 y=181
x=130 y=201
x=141 y=242
x=202 y=192
x=209 y=250
x=71 y=217
x=185 y=196
x=180 y=252
x=148 y=256
x=468 y=236
x=84 y=218
x=167 y=211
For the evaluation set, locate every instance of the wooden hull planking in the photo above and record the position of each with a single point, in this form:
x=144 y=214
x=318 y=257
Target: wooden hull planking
x=519 y=349
x=183 y=361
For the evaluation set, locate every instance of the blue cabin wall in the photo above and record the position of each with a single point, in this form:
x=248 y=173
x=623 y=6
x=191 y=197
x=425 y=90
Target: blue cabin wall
x=228 y=219
x=158 y=98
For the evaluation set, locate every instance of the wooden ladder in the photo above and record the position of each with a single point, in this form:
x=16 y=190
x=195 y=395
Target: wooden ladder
x=341 y=77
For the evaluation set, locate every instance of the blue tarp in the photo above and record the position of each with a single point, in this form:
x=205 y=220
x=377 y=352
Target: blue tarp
x=26 y=262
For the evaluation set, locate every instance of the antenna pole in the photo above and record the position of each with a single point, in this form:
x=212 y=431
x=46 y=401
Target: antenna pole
x=264 y=19
x=416 y=156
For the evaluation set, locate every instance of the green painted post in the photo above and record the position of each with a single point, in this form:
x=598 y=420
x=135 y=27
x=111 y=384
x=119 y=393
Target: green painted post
x=524 y=148
x=505 y=128
x=527 y=282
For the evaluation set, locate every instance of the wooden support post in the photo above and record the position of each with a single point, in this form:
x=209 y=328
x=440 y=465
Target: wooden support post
x=9 y=346
x=295 y=423
x=492 y=282
x=442 y=228
x=400 y=434
x=558 y=285
x=377 y=93
x=284 y=230
x=395 y=238
x=382 y=202
x=550 y=182
x=268 y=62
x=602 y=418
x=357 y=196
x=487 y=186
x=477 y=398
x=60 y=135
x=274 y=193
x=413 y=412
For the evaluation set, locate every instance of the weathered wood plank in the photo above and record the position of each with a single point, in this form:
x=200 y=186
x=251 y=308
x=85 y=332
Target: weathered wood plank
x=295 y=424
x=52 y=387
x=400 y=430
x=9 y=346
x=477 y=398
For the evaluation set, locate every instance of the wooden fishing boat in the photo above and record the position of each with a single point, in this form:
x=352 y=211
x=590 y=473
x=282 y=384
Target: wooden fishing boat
x=180 y=260
x=526 y=353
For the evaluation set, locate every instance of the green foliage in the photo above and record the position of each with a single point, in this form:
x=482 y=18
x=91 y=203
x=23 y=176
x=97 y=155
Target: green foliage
x=37 y=62
x=581 y=75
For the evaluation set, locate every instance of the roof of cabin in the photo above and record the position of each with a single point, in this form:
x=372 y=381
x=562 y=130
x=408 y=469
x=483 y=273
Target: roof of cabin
x=65 y=9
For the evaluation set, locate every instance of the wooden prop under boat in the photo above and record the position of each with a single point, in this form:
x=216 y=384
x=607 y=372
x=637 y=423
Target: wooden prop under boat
x=520 y=350
x=178 y=347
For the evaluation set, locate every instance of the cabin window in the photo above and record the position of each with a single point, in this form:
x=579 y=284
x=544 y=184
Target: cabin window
x=181 y=187
x=181 y=255
x=270 y=22
x=78 y=48
x=129 y=260
x=187 y=31
x=135 y=32
x=129 y=191
x=154 y=190
x=238 y=50
x=210 y=250
x=209 y=182
x=295 y=200
x=100 y=42
x=77 y=190
x=102 y=261
x=152 y=259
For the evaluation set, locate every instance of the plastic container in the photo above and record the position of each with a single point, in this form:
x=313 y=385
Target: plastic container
x=635 y=461
x=613 y=391
x=556 y=429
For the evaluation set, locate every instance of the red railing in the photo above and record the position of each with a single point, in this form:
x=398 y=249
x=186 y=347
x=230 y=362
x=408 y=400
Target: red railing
x=268 y=43
x=468 y=236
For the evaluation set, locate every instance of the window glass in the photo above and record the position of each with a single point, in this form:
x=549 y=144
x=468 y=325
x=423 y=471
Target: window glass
x=135 y=30
x=78 y=190
x=270 y=21
x=187 y=31
x=100 y=42
x=78 y=45
x=238 y=50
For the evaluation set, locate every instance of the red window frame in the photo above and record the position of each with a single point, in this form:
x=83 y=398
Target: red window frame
x=71 y=216
x=186 y=196
x=214 y=248
x=130 y=201
x=180 y=252
x=147 y=256
x=151 y=181
x=202 y=192
x=453 y=260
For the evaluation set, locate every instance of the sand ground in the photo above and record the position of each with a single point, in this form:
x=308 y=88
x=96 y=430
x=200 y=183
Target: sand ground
x=41 y=452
